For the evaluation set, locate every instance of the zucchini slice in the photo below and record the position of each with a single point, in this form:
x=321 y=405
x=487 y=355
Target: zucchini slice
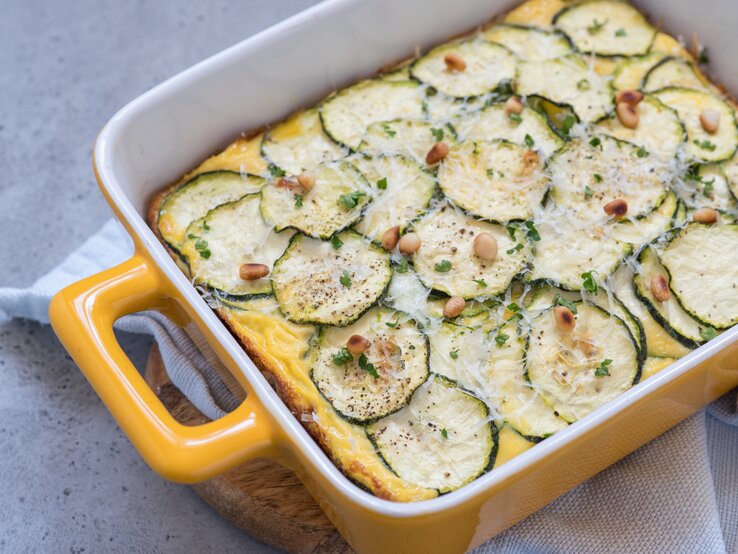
x=701 y=145
x=335 y=202
x=444 y=109
x=197 y=197
x=647 y=229
x=570 y=247
x=400 y=74
x=496 y=180
x=315 y=282
x=658 y=341
x=408 y=137
x=669 y=314
x=347 y=115
x=531 y=129
x=407 y=294
x=446 y=261
x=529 y=43
x=730 y=170
x=659 y=129
x=443 y=439
x=401 y=191
x=702 y=261
x=382 y=380
x=228 y=236
x=707 y=187
x=672 y=72
x=630 y=72
x=585 y=177
x=299 y=144
x=606 y=28
x=571 y=370
x=568 y=80
x=487 y=66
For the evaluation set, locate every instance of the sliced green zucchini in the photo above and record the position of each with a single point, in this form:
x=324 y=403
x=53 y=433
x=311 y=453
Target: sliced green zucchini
x=702 y=261
x=606 y=28
x=315 y=282
x=659 y=130
x=407 y=294
x=730 y=170
x=530 y=128
x=446 y=261
x=578 y=371
x=347 y=115
x=335 y=202
x=559 y=116
x=568 y=80
x=585 y=177
x=496 y=180
x=707 y=187
x=647 y=229
x=701 y=145
x=669 y=314
x=228 y=236
x=197 y=197
x=299 y=144
x=570 y=247
x=529 y=43
x=443 y=439
x=672 y=72
x=401 y=192
x=487 y=66
x=630 y=72
x=443 y=109
x=380 y=381
x=659 y=342
x=408 y=137
x=400 y=74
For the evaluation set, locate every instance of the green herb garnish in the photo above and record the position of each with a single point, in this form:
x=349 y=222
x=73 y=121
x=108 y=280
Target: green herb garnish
x=350 y=199
x=708 y=333
x=704 y=55
x=205 y=226
x=597 y=178
x=518 y=247
x=532 y=232
x=298 y=201
x=336 y=243
x=342 y=356
x=642 y=152
x=201 y=246
x=587 y=192
x=501 y=339
x=596 y=26
x=588 y=282
x=595 y=142
x=443 y=266
x=454 y=354
x=513 y=307
x=382 y=183
x=345 y=279
x=367 y=366
x=583 y=84
x=561 y=301
x=481 y=283
x=444 y=433
x=388 y=130
x=620 y=33
x=529 y=142
x=511 y=228
x=437 y=134
x=602 y=370
x=276 y=171
x=568 y=123
x=705 y=145
x=402 y=266
x=516 y=117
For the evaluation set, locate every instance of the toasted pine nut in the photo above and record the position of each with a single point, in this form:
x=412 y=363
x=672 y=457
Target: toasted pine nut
x=454 y=306
x=705 y=215
x=356 y=344
x=565 y=320
x=617 y=208
x=307 y=181
x=627 y=115
x=251 y=272
x=409 y=243
x=512 y=105
x=391 y=237
x=454 y=62
x=660 y=288
x=630 y=97
x=485 y=246
x=289 y=183
x=437 y=152
x=710 y=120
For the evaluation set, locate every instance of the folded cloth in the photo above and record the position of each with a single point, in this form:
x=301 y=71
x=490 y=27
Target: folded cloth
x=677 y=494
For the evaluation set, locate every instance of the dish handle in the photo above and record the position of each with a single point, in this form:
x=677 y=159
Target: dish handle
x=82 y=316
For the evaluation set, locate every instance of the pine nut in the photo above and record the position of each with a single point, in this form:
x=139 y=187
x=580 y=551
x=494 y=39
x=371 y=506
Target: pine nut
x=437 y=152
x=630 y=97
x=627 y=115
x=357 y=344
x=512 y=105
x=251 y=272
x=454 y=306
x=454 y=62
x=390 y=238
x=307 y=181
x=617 y=208
x=409 y=243
x=289 y=183
x=705 y=215
x=710 y=120
x=565 y=320
x=660 y=288
x=485 y=246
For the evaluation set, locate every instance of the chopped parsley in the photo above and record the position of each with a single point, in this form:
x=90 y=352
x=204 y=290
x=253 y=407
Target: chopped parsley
x=501 y=339
x=368 y=366
x=517 y=248
x=454 y=354
x=596 y=26
x=490 y=172
x=561 y=301
x=336 y=243
x=342 y=356
x=568 y=123
x=345 y=279
x=513 y=307
x=642 y=152
x=583 y=84
x=620 y=33
x=298 y=201
x=597 y=178
x=392 y=324
x=201 y=246
x=704 y=55
x=603 y=369
x=532 y=232
x=587 y=192
x=529 y=142
x=708 y=333
x=481 y=283
x=205 y=226
x=443 y=266
x=511 y=228
x=516 y=117
x=437 y=134
x=276 y=171
x=444 y=433
x=588 y=282
x=388 y=130
x=708 y=188
x=382 y=183
x=595 y=142
x=350 y=199
x=402 y=266
x=705 y=145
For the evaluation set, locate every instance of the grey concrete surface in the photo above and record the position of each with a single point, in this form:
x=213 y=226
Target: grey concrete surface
x=69 y=479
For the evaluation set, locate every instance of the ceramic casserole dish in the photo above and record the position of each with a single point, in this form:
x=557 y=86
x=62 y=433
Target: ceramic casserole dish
x=156 y=138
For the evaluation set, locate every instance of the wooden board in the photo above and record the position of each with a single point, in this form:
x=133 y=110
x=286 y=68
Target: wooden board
x=261 y=498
